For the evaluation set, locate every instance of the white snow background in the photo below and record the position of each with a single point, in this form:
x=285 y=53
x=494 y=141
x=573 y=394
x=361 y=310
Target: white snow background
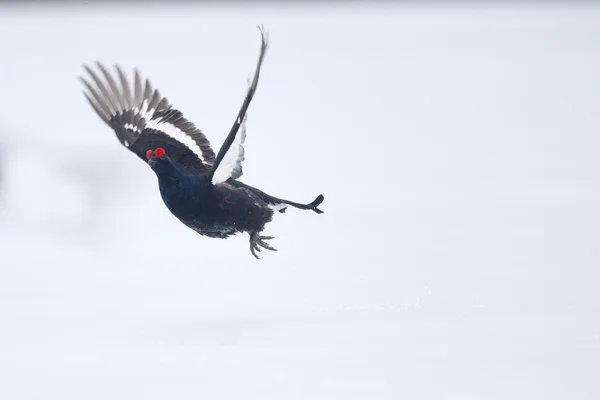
x=457 y=148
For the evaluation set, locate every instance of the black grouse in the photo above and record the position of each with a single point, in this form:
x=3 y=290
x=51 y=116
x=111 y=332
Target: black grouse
x=200 y=188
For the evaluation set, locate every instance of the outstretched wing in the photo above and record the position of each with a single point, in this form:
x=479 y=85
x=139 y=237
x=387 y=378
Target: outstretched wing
x=144 y=120
x=228 y=163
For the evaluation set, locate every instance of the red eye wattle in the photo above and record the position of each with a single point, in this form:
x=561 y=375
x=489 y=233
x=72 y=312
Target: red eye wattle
x=148 y=154
x=159 y=152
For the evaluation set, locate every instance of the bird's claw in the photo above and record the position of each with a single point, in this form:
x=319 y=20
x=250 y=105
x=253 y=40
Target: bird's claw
x=257 y=241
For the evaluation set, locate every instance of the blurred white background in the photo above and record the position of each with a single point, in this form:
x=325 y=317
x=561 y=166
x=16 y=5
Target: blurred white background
x=457 y=149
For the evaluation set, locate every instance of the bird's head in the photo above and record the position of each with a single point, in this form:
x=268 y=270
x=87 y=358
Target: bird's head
x=162 y=165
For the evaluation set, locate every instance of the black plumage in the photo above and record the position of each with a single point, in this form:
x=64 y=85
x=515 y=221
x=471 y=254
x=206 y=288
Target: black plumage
x=200 y=188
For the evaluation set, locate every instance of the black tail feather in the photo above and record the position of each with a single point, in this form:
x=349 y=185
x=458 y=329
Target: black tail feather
x=316 y=203
x=275 y=200
x=310 y=206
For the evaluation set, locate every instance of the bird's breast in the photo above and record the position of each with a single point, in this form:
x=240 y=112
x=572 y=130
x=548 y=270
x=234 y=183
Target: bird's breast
x=184 y=202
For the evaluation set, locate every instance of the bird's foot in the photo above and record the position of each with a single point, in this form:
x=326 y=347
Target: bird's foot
x=257 y=241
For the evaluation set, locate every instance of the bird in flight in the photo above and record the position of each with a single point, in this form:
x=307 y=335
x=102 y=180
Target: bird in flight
x=199 y=187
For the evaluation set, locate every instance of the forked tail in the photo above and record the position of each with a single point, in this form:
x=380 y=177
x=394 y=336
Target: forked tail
x=310 y=206
x=277 y=203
